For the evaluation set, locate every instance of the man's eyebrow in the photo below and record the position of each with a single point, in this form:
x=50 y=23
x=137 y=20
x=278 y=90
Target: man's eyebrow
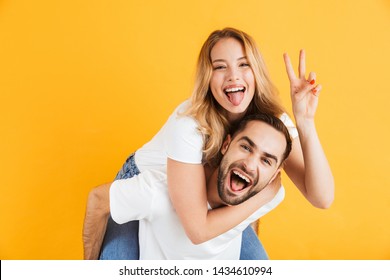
x=254 y=146
x=268 y=155
x=223 y=60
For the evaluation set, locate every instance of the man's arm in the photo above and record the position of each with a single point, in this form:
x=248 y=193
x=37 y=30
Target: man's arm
x=95 y=222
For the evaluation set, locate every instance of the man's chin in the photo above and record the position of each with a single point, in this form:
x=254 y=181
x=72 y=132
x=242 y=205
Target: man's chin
x=233 y=200
x=233 y=197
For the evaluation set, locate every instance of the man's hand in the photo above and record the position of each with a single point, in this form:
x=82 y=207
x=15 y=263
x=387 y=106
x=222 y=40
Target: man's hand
x=95 y=222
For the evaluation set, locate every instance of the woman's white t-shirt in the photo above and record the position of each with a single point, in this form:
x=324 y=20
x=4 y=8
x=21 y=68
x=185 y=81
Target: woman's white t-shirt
x=180 y=140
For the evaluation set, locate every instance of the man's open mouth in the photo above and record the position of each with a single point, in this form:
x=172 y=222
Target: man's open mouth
x=239 y=181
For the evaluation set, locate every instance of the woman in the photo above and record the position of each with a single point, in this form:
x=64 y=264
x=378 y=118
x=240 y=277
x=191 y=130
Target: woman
x=231 y=82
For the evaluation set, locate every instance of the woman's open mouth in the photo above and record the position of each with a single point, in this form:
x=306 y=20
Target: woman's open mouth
x=235 y=94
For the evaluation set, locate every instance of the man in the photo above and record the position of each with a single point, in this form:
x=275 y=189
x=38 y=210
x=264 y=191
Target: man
x=252 y=158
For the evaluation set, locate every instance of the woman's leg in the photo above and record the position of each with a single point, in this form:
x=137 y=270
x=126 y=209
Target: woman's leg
x=251 y=247
x=121 y=241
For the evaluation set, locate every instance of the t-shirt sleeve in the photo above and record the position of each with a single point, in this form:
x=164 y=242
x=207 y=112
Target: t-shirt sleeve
x=290 y=125
x=270 y=205
x=130 y=199
x=278 y=198
x=183 y=140
x=232 y=233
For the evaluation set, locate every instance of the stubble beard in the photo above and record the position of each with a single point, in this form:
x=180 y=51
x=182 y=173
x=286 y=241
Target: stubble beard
x=225 y=195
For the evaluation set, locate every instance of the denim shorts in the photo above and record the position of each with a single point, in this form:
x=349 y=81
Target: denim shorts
x=129 y=169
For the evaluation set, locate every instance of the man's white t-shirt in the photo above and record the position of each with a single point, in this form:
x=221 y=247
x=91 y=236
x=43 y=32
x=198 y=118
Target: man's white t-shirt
x=161 y=236
x=145 y=198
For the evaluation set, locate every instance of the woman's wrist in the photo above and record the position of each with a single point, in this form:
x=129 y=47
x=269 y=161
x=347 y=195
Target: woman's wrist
x=306 y=127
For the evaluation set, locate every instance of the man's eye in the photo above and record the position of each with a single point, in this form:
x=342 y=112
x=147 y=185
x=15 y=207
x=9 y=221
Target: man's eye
x=267 y=161
x=245 y=147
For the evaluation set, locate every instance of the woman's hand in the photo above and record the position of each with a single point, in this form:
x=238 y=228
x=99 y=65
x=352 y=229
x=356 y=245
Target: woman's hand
x=304 y=92
x=269 y=192
x=307 y=165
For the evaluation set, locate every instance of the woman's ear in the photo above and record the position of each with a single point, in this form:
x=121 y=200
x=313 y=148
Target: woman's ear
x=226 y=144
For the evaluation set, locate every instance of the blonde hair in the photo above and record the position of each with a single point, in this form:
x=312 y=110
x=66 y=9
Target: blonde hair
x=211 y=117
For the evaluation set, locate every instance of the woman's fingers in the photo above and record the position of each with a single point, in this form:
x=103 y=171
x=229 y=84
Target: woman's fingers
x=316 y=90
x=312 y=78
x=302 y=64
x=289 y=68
x=301 y=85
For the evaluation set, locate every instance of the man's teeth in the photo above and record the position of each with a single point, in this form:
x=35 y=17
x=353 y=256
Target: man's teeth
x=235 y=89
x=241 y=176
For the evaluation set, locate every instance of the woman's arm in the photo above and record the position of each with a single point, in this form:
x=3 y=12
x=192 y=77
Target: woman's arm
x=307 y=165
x=187 y=190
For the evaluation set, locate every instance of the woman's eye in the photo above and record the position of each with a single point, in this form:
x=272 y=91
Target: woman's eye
x=219 y=67
x=244 y=65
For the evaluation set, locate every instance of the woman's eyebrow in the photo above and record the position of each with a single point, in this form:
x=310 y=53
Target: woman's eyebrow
x=241 y=58
x=223 y=60
x=218 y=60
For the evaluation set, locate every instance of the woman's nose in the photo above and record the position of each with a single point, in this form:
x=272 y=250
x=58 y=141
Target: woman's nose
x=233 y=75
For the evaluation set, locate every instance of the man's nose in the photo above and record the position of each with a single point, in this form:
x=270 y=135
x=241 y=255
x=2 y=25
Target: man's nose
x=251 y=164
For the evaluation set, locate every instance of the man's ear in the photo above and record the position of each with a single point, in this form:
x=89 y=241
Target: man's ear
x=276 y=175
x=226 y=144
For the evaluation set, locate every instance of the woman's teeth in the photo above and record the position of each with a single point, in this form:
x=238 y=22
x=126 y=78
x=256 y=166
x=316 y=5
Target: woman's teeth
x=235 y=89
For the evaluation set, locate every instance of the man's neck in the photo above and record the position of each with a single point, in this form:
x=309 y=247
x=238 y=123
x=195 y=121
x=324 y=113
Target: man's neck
x=212 y=190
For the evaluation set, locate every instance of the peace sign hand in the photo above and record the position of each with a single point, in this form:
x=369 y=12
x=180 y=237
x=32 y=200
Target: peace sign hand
x=304 y=92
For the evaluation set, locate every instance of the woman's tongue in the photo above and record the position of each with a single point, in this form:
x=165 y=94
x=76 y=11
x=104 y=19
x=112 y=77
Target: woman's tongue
x=236 y=97
x=237 y=184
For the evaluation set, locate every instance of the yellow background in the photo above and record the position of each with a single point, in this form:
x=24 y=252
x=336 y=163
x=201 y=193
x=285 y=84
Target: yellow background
x=85 y=83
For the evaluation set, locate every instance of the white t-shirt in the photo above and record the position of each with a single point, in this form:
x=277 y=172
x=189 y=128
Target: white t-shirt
x=178 y=139
x=161 y=236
